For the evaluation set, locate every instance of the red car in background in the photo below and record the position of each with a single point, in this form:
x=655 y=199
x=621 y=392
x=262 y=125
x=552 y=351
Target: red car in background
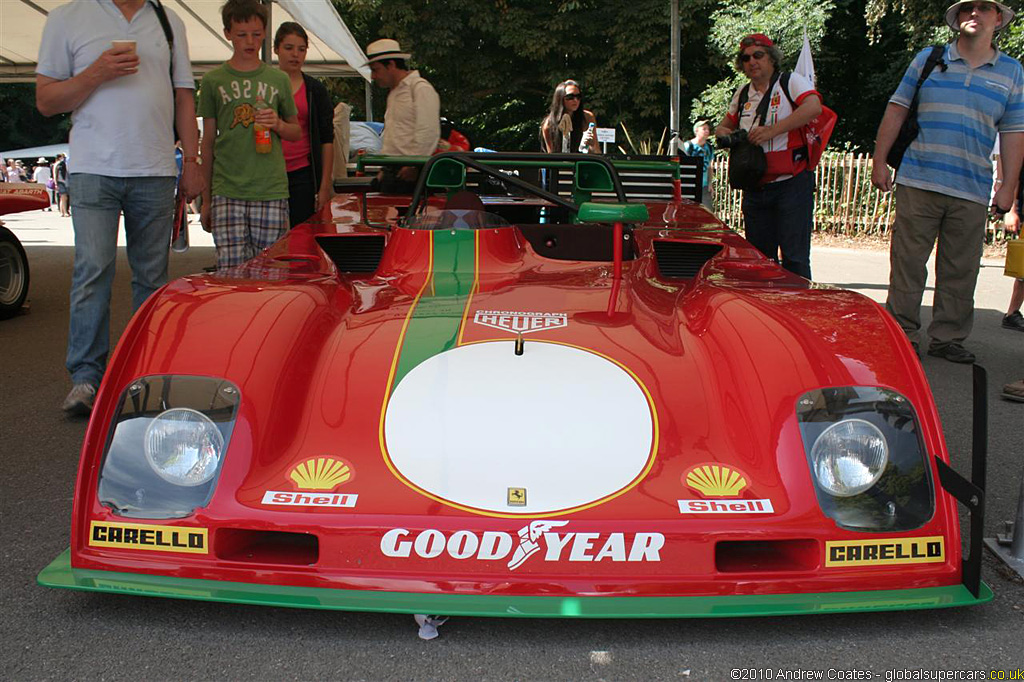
x=16 y=197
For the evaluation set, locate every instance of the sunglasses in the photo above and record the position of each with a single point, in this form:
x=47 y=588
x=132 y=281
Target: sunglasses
x=756 y=54
x=968 y=7
x=573 y=96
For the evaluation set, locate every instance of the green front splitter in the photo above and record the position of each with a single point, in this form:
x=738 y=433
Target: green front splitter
x=60 y=574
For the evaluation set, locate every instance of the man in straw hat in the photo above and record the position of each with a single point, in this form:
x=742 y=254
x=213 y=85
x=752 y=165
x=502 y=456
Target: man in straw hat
x=945 y=179
x=412 y=122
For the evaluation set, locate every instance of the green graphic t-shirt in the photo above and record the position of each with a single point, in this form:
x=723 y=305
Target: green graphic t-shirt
x=230 y=96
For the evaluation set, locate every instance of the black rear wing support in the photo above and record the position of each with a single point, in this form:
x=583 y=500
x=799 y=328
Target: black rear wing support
x=971 y=493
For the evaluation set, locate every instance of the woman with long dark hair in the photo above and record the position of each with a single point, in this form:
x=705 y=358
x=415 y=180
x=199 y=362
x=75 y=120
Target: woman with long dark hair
x=310 y=160
x=567 y=124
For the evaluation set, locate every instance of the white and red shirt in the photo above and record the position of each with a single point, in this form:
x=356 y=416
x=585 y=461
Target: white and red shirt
x=778 y=108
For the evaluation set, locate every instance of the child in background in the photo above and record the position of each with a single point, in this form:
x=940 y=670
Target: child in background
x=245 y=201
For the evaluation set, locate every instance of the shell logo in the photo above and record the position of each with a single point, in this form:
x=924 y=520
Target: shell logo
x=321 y=473
x=714 y=480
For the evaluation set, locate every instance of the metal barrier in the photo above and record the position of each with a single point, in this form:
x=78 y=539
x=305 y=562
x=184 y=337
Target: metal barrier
x=1009 y=546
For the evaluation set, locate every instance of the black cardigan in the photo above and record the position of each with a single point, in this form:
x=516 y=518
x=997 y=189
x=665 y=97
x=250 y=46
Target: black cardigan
x=321 y=125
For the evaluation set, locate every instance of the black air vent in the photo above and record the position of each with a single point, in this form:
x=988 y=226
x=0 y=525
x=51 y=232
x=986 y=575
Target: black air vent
x=354 y=253
x=682 y=260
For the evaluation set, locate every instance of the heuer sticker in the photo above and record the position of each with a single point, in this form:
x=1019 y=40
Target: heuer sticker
x=885 y=551
x=520 y=322
x=736 y=506
x=316 y=480
x=155 y=538
x=532 y=539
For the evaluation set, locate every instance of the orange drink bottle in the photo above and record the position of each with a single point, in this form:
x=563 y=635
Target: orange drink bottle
x=261 y=134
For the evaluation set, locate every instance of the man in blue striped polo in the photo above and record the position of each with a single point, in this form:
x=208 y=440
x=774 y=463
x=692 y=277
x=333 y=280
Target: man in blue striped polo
x=945 y=180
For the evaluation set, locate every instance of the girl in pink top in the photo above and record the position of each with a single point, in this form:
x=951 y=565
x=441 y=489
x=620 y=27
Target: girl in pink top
x=310 y=160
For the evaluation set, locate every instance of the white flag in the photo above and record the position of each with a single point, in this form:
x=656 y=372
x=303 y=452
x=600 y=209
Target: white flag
x=805 y=64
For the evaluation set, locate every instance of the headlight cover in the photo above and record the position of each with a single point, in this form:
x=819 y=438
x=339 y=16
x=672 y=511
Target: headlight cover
x=166 y=446
x=867 y=460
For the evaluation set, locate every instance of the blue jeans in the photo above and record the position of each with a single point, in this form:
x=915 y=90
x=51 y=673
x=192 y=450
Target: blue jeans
x=98 y=201
x=780 y=216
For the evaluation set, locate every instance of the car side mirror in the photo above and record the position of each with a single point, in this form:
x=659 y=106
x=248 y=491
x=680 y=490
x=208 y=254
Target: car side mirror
x=592 y=176
x=447 y=174
x=591 y=212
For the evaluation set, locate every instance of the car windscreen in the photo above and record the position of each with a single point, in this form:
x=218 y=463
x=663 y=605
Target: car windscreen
x=456 y=219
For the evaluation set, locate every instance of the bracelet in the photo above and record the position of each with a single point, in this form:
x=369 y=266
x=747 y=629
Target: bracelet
x=191 y=159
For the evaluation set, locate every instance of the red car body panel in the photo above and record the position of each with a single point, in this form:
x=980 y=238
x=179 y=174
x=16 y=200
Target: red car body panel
x=722 y=358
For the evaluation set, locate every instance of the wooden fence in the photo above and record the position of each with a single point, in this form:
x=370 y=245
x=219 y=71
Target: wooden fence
x=845 y=201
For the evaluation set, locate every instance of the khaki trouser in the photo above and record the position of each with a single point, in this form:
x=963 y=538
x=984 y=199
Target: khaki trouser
x=959 y=225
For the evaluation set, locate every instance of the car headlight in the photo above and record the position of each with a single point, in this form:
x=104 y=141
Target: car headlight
x=849 y=457
x=167 y=445
x=867 y=459
x=184 y=446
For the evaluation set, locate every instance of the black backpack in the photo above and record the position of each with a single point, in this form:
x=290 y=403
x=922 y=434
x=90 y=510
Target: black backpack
x=910 y=128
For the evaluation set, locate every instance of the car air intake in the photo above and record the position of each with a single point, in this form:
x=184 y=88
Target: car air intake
x=359 y=253
x=766 y=556
x=682 y=260
x=266 y=547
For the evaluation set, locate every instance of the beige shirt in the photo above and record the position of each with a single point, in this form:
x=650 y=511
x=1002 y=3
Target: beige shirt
x=342 y=134
x=412 y=122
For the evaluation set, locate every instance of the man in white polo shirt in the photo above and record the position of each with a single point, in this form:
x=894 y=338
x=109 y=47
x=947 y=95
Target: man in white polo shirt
x=109 y=63
x=412 y=121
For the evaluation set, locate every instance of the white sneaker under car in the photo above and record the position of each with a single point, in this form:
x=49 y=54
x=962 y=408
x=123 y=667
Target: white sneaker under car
x=80 y=399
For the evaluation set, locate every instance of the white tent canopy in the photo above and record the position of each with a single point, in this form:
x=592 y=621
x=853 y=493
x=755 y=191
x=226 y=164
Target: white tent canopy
x=332 y=49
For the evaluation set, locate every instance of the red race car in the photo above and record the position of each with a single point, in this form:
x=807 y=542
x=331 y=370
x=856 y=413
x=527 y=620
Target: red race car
x=520 y=392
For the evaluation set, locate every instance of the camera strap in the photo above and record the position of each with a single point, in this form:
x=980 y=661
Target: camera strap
x=762 y=108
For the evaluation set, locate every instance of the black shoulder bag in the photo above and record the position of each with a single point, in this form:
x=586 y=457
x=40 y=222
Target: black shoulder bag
x=910 y=128
x=747 y=162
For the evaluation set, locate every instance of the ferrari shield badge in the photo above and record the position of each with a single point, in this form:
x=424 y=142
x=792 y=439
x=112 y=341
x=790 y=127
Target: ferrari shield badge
x=520 y=322
x=517 y=497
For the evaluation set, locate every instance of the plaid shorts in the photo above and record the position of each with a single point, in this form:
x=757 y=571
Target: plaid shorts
x=241 y=229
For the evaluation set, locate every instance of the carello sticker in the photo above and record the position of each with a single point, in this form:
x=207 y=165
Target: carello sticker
x=155 y=538
x=886 y=551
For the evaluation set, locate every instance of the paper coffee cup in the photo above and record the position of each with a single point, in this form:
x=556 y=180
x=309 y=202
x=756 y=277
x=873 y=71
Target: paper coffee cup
x=121 y=44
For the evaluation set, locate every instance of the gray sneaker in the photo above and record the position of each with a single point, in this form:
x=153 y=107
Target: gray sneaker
x=79 y=401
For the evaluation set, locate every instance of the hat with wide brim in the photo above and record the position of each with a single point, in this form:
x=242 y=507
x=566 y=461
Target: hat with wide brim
x=385 y=48
x=42 y=159
x=954 y=10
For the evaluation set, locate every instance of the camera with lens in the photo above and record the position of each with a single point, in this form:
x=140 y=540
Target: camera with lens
x=732 y=139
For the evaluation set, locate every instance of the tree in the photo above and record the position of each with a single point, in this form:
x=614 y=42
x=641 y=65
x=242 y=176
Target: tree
x=495 y=62
x=782 y=20
x=23 y=125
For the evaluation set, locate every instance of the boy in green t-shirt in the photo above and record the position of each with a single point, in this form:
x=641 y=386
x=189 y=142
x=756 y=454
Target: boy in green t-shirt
x=244 y=172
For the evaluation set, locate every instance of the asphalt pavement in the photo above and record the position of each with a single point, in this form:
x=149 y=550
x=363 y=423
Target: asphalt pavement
x=57 y=634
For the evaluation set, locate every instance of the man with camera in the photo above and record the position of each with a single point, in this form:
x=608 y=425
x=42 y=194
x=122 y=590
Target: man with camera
x=945 y=177
x=770 y=113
